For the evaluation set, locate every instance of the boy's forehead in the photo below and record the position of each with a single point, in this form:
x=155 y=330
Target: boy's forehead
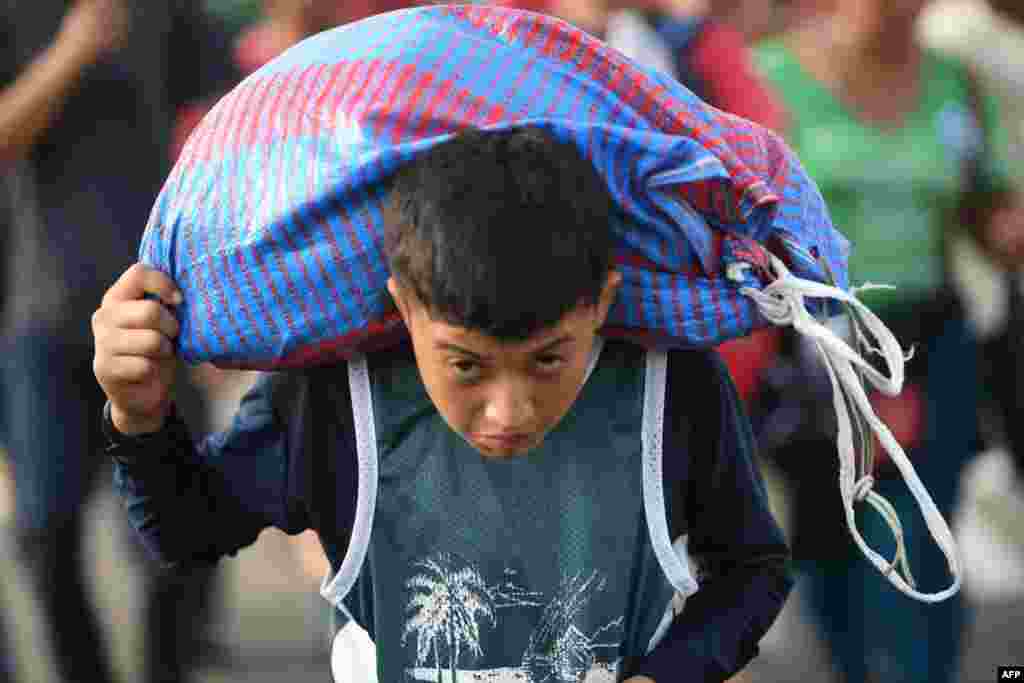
x=443 y=333
x=443 y=336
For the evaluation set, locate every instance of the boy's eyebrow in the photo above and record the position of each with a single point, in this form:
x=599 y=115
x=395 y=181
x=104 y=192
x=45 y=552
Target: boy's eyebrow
x=448 y=346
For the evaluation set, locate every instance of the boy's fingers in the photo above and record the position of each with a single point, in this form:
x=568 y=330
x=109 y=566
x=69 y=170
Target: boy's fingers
x=140 y=280
x=145 y=315
x=132 y=369
x=143 y=343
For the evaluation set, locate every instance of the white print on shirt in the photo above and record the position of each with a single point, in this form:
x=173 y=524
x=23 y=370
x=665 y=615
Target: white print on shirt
x=449 y=602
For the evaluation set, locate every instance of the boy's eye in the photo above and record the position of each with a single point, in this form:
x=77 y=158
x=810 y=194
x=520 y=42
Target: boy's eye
x=465 y=369
x=550 y=361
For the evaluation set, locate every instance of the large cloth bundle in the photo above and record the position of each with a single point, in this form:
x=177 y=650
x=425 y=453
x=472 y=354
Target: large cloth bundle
x=270 y=222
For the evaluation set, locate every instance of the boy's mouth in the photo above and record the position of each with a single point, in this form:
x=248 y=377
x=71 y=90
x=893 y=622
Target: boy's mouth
x=501 y=442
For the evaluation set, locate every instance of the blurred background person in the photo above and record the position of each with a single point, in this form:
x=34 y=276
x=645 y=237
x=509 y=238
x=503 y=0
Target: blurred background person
x=899 y=139
x=88 y=90
x=988 y=35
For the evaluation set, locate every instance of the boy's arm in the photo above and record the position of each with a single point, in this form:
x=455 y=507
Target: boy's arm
x=717 y=494
x=195 y=503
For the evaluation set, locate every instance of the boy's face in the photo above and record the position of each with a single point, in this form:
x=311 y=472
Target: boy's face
x=503 y=398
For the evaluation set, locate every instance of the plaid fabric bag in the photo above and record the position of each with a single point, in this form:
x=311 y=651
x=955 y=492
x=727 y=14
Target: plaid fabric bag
x=270 y=222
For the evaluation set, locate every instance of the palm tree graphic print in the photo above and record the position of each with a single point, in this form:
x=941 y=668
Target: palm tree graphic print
x=449 y=602
x=445 y=603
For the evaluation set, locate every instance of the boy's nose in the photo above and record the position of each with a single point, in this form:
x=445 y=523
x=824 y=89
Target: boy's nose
x=510 y=410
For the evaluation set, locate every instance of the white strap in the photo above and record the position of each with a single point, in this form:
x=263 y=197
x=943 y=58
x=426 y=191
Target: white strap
x=782 y=303
x=675 y=565
x=336 y=586
x=353 y=655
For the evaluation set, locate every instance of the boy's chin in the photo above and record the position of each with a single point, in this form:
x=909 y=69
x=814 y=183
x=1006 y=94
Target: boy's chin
x=498 y=449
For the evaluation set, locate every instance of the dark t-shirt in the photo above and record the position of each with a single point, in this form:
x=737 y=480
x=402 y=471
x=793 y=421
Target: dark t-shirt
x=79 y=200
x=290 y=460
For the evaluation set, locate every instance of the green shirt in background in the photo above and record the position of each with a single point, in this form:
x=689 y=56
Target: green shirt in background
x=891 y=192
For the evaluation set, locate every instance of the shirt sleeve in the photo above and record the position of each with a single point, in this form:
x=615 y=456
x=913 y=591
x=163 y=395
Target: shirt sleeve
x=717 y=494
x=193 y=503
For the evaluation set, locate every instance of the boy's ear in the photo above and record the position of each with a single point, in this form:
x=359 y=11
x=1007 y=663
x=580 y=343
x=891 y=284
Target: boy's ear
x=397 y=295
x=608 y=293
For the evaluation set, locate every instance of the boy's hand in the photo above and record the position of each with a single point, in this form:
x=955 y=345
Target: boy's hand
x=135 y=359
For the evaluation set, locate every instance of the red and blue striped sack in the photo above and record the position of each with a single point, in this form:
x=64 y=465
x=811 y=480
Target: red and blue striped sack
x=270 y=222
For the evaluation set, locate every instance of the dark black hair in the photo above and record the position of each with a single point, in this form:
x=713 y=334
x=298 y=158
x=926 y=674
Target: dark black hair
x=502 y=232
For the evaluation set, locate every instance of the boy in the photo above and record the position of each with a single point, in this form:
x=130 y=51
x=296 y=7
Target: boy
x=508 y=463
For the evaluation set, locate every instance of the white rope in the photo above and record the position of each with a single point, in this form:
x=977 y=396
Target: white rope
x=782 y=303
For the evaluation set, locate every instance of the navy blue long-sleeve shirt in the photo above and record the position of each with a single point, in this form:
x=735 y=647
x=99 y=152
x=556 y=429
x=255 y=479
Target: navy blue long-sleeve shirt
x=289 y=461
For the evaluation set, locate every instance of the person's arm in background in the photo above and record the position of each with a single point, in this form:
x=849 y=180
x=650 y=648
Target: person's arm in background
x=733 y=535
x=991 y=209
x=30 y=101
x=994 y=214
x=988 y=35
x=1004 y=224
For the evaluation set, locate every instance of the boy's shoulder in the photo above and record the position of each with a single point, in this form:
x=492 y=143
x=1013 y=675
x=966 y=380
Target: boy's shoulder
x=693 y=364
x=697 y=380
x=294 y=393
x=696 y=365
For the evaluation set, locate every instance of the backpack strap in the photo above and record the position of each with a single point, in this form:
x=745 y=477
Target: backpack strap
x=672 y=556
x=336 y=585
x=676 y=567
